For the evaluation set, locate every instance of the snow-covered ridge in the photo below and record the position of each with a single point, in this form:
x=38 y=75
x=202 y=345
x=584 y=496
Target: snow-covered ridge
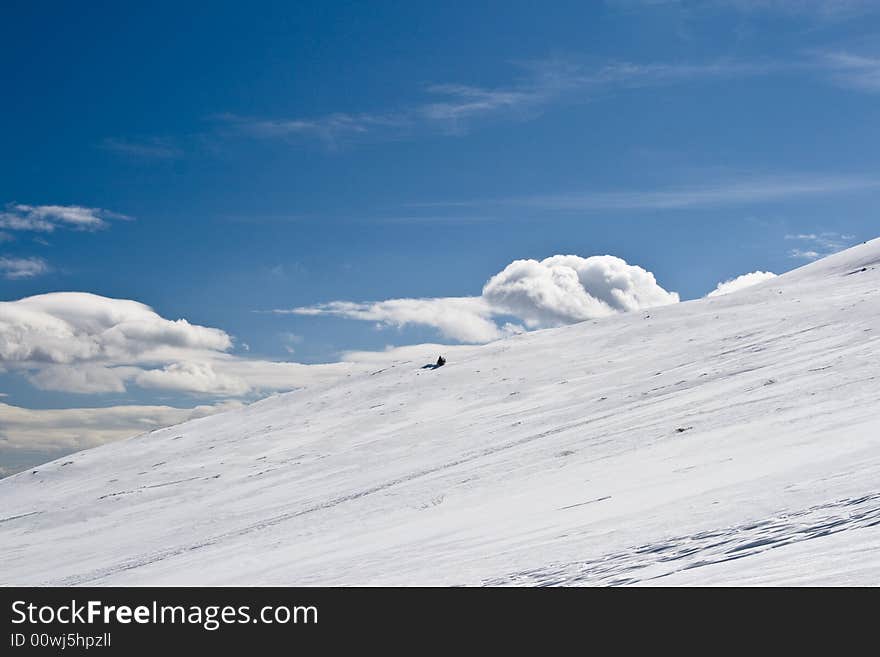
x=727 y=440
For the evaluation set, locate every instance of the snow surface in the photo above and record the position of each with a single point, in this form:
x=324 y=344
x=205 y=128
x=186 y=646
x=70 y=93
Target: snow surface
x=730 y=440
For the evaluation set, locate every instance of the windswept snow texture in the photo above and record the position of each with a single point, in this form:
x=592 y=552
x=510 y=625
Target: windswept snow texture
x=730 y=440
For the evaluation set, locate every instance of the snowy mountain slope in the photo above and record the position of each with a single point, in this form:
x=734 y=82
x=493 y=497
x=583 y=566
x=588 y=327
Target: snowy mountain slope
x=727 y=440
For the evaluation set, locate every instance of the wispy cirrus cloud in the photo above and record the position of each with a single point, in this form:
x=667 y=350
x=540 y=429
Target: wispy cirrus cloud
x=813 y=246
x=45 y=219
x=48 y=218
x=153 y=148
x=854 y=71
x=331 y=129
x=18 y=268
x=453 y=108
x=733 y=191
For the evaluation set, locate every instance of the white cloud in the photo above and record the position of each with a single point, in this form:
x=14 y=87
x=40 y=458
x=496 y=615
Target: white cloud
x=289 y=340
x=418 y=354
x=466 y=319
x=47 y=218
x=79 y=428
x=330 y=128
x=193 y=377
x=565 y=288
x=741 y=282
x=818 y=245
x=85 y=343
x=804 y=254
x=16 y=268
x=551 y=292
x=30 y=436
x=264 y=375
x=460 y=102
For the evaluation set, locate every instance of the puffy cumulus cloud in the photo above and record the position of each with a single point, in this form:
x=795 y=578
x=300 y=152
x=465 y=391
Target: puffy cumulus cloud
x=16 y=268
x=71 y=327
x=47 y=218
x=71 y=429
x=741 y=282
x=558 y=290
x=818 y=245
x=85 y=343
x=566 y=288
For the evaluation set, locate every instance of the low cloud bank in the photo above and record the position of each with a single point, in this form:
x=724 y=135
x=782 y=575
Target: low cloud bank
x=32 y=436
x=29 y=437
x=85 y=343
x=72 y=429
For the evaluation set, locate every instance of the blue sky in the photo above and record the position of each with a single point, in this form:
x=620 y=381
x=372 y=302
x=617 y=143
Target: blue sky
x=240 y=158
